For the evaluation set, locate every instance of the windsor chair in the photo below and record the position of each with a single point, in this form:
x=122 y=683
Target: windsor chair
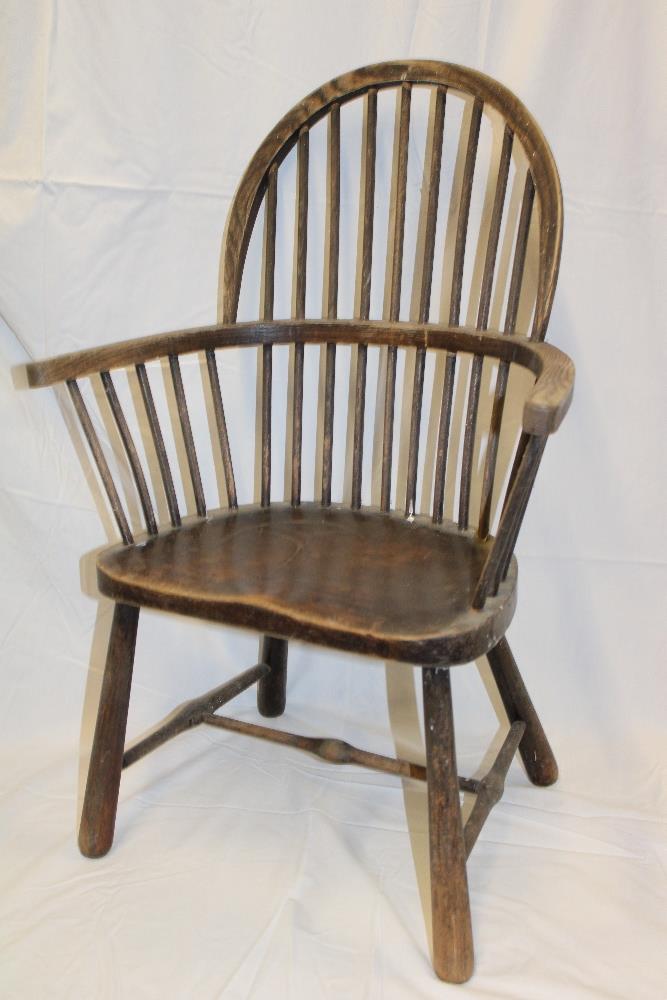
x=382 y=580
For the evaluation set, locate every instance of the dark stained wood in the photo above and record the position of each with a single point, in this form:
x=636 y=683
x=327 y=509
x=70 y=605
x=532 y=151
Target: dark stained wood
x=432 y=186
x=271 y=690
x=397 y=223
x=287 y=572
x=186 y=430
x=100 y=802
x=221 y=425
x=268 y=294
x=482 y=321
x=367 y=216
x=327 y=440
x=158 y=442
x=545 y=407
x=100 y=461
x=267 y=382
x=444 y=425
x=359 y=419
x=333 y=221
x=370 y=79
x=368 y=204
x=130 y=451
x=334 y=751
x=503 y=369
x=536 y=753
x=492 y=786
x=413 y=589
x=191 y=713
x=452 y=929
x=464 y=212
x=415 y=425
x=300 y=308
x=510 y=522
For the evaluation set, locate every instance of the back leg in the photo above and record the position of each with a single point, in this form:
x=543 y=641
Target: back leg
x=271 y=690
x=534 y=748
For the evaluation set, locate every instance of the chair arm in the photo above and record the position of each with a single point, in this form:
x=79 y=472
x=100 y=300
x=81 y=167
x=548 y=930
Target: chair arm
x=545 y=407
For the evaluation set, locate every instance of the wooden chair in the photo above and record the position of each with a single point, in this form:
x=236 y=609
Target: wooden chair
x=416 y=588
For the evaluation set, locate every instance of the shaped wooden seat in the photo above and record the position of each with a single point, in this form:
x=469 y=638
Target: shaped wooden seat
x=358 y=580
x=424 y=572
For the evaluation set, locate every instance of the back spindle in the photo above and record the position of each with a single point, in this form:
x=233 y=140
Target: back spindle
x=503 y=367
x=444 y=424
x=333 y=231
x=482 y=322
x=368 y=203
x=397 y=222
x=300 y=309
x=425 y=277
x=268 y=293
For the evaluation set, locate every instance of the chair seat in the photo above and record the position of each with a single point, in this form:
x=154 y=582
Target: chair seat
x=366 y=581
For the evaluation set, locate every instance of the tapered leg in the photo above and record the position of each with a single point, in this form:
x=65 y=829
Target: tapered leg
x=452 y=930
x=106 y=761
x=534 y=748
x=271 y=690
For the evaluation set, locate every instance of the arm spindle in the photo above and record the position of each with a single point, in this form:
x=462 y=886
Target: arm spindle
x=100 y=461
x=130 y=451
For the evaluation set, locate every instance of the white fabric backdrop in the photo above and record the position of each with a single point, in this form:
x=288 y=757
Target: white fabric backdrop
x=239 y=870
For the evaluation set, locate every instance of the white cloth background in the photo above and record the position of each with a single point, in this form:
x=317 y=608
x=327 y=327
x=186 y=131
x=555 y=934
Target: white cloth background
x=242 y=870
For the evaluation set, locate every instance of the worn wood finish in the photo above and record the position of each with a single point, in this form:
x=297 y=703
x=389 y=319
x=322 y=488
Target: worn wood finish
x=191 y=713
x=476 y=368
x=444 y=426
x=100 y=801
x=536 y=753
x=158 y=442
x=369 y=80
x=186 y=430
x=286 y=572
x=130 y=451
x=491 y=787
x=221 y=426
x=545 y=407
x=452 y=929
x=271 y=690
x=408 y=588
x=100 y=461
x=397 y=224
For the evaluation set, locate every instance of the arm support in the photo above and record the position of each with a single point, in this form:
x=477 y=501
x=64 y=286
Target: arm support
x=544 y=410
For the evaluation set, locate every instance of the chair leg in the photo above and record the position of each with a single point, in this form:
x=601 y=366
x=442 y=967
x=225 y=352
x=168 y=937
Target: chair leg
x=106 y=761
x=452 y=929
x=534 y=748
x=271 y=690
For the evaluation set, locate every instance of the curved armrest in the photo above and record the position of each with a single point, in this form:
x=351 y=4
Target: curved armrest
x=544 y=410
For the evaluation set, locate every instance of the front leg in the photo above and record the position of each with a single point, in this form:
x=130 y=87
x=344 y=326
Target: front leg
x=100 y=801
x=452 y=930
